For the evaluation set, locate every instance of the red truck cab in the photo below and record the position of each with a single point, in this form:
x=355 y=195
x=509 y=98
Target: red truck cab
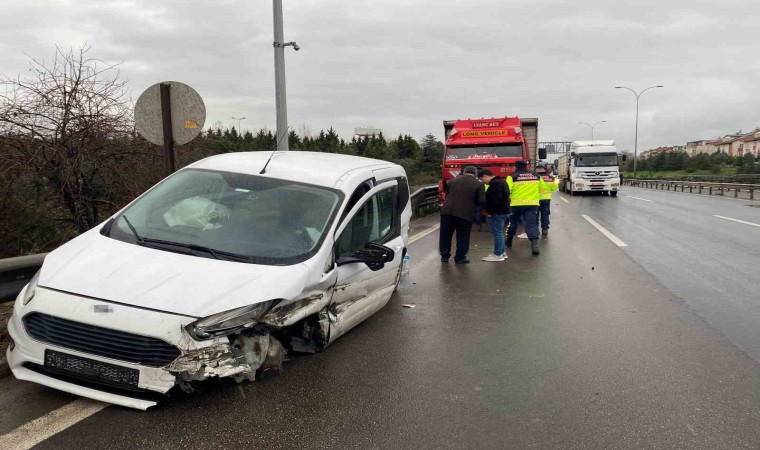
x=494 y=144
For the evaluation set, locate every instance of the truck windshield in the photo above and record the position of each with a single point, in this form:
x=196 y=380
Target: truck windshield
x=486 y=151
x=596 y=160
x=232 y=216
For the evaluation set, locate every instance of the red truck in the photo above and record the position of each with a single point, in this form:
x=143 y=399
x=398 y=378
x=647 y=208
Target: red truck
x=494 y=144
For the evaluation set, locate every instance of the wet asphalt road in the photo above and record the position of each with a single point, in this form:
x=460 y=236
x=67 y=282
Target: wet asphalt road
x=713 y=263
x=580 y=347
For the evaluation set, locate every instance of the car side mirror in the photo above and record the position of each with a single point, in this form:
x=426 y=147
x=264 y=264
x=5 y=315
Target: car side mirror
x=572 y=153
x=375 y=256
x=542 y=153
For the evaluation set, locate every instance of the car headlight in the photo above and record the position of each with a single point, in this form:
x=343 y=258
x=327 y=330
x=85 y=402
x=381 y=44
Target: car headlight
x=31 y=289
x=229 y=322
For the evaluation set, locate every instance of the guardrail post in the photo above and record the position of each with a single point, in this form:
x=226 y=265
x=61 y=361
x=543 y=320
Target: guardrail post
x=710 y=190
x=691 y=189
x=736 y=192
x=751 y=193
x=721 y=190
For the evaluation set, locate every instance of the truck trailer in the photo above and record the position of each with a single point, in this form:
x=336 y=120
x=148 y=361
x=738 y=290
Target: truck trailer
x=590 y=166
x=494 y=144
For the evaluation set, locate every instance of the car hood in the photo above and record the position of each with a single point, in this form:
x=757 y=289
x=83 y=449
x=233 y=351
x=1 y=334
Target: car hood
x=97 y=266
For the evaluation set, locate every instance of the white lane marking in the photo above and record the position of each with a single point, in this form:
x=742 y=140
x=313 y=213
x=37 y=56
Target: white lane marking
x=36 y=431
x=605 y=232
x=422 y=234
x=564 y=199
x=639 y=198
x=737 y=220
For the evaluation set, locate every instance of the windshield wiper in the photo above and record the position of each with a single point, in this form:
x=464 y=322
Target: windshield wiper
x=161 y=244
x=131 y=228
x=217 y=254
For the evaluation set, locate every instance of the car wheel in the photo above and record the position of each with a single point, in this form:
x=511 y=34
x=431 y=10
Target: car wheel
x=613 y=193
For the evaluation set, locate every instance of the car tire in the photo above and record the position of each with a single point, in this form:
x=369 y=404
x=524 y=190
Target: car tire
x=613 y=193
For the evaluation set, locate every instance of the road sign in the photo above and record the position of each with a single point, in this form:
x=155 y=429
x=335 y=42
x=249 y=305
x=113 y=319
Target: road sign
x=188 y=113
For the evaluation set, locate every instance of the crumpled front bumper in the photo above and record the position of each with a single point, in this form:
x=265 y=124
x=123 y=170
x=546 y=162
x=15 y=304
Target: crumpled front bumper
x=198 y=360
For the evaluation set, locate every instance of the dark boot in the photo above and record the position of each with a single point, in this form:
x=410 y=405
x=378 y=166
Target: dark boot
x=509 y=242
x=545 y=232
x=534 y=246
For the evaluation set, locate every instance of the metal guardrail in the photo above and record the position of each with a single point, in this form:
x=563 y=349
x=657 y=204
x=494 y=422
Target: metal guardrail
x=746 y=178
x=424 y=199
x=699 y=187
x=16 y=272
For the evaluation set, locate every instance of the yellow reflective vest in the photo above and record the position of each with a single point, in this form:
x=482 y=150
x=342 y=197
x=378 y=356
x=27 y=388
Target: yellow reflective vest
x=525 y=188
x=551 y=186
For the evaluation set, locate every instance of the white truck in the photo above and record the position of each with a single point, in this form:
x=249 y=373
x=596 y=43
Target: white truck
x=590 y=166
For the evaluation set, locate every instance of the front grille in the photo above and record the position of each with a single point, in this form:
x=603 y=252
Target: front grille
x=100 y=341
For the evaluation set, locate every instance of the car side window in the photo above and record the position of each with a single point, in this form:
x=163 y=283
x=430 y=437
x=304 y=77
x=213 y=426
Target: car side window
x=374 y=222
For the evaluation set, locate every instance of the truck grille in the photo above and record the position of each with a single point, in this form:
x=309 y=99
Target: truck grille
x=100 y=341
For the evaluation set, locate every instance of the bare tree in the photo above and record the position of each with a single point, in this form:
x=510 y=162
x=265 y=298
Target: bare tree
x=67 y=127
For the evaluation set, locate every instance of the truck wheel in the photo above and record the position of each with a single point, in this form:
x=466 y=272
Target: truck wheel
x=613 y=193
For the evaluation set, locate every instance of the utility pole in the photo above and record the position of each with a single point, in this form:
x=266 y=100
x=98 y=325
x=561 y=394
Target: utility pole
x=279 y=77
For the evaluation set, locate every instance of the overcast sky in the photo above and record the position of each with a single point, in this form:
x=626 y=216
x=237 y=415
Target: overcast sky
x=406 y=65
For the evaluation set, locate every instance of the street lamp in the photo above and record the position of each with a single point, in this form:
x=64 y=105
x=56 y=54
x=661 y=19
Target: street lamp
x=636 y=135
x=592 y=126
x=240 y=132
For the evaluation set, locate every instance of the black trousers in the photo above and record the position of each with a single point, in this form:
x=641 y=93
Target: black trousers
x=462 y=227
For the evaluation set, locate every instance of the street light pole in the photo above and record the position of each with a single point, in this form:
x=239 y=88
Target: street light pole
x=240 y=132
x=636 y=130
x=592 y=126
x=279 y=76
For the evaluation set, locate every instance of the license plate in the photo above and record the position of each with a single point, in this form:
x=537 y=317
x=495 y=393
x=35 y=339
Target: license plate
x=597 y=184
x=90 y=369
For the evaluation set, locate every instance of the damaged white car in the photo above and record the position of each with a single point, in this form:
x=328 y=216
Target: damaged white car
x=216 y=271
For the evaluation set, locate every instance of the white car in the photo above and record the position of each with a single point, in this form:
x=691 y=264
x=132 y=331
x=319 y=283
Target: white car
x=215 y=272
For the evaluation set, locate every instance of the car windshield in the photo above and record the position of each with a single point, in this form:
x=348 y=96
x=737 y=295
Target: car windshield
x=485 y=151
x=230 y=216
x=597 y=160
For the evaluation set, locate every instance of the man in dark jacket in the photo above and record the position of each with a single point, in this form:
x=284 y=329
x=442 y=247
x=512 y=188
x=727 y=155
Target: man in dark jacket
x=497 y=210
x=457 y=213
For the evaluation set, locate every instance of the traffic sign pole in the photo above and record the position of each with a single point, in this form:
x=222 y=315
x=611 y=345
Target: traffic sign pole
x=166 y=119
x=169 y=113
